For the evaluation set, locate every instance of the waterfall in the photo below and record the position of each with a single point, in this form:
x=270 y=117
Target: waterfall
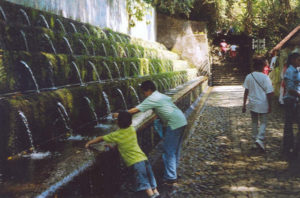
x=112 y=37
x=85 y=28
x=92 y=108
x=136 y=69
x=3 y=14
x=50 y=42
x=74 y=27
x=86 y=50
x=117 y=67
x=32 y=76
x=45 y=21
x=26 y=16
x=51 y=74
x=136 y=95
x=64 y=116
x=108 y=70
x=61 y=25
x=95 y=70
x=78 y=73
x=25 y=40
x=153 y=69
x=93 y=48
x=25 y=121
x=121 y=93
x=106 y=102
x=68 y=44
x=104 y=49
x=115 y=51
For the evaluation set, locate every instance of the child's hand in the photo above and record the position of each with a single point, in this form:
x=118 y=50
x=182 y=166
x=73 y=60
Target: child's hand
x=87 y=145
x=115 y=115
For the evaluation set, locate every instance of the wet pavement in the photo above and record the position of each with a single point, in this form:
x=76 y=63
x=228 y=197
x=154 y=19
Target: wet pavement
x=220 y=160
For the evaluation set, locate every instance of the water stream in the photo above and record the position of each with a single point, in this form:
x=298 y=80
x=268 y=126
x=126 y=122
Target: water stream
x=107 y=103
x=104 y=49
x=61 y=25
x=95 y=70
x=68 y=44
x=136 y=95
x=108 y=70
x=92 y=108
x=25 y=121
x=26 y=16
x=32 y=76
x=50 y=43
x=124 y=102
x=117 y=68
x=86 y=49
x=3 y=14
x=45 y=21
x=85 y=28
x=25 y=40
x=74 y=27
x=78 y=73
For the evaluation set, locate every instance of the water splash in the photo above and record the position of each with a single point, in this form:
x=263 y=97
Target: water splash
x=78 y=73
x=136 y=95
x=64 y=116
x=108 y=70
x=32 y=76
x=25 y=40
x=86 y=49
x=25 y=121
x=74 y=27
x=124 y=102
x=115 y=51
x=26 y=16
x=104 y=49
x=52 y=189
x=61 y=25
x=50 y=42
x=92 y=108
x=45 y=21
x=95 y=70
x=68 y=44
x=117 y=68
x=135 y=67
x=3 y=14
x=85 y=29
x=106 y=102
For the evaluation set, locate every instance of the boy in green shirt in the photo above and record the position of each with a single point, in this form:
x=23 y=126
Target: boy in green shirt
x=131 y=153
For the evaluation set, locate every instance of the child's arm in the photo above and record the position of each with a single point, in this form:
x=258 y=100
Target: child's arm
x=94 y=141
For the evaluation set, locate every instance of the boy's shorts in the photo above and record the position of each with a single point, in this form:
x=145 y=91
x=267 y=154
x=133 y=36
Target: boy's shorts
x=143 y=176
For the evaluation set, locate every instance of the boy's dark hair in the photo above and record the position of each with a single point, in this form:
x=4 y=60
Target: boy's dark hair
x=258 y=63
x=124 y=119
x=292 y=57
x=148 y=85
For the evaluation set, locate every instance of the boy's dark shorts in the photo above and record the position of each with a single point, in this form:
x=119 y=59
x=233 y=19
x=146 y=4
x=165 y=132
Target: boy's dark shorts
x=143 y=176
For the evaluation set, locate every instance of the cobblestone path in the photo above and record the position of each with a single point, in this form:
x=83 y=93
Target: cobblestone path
x=218 y=160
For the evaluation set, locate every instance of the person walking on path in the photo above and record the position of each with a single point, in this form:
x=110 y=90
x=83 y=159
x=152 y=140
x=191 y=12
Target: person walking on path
x=259 y=89
x=133 y=156
x=175 y=122
x=291 y=103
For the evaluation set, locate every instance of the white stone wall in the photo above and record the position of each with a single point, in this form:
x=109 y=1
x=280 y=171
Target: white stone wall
x=103 y=13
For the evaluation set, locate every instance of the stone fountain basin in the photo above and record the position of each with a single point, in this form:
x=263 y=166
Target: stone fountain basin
x=26 y=177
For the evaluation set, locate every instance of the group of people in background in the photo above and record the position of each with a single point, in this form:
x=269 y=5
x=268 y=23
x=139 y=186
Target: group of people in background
x=259 y=91
x=228 y=49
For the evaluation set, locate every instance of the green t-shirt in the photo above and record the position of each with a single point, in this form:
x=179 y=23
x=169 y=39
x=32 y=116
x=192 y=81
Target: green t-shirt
x=128 y=147
x=165 y=109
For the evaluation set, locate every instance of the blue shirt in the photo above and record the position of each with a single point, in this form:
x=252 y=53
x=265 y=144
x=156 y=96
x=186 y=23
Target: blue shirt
x=292 y=80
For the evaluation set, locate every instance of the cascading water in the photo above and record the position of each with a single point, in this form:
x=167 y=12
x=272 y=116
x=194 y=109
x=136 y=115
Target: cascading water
x=32 y=76
x=51 y=75
x=108 y=70
x=85 y=29
x=135 y=67
x=3 y=14
x=78 y=73
x=95 y=70
x=25 y=40
x=74 y=27
x=68 y=44
x=61 y=25
x=114 y=50
x=124 y=102
x=50 y=42
x=120 y=38
x=104 y=49
x=153 y=69
x=112 y=37
x=92 y=108
x=86 y=49
x=26 y=16
x=107 y=103
x=103 y=33
x=25 y=121
x=93 y=48
x=136 y=95
x=117 y=68
x=44 y=21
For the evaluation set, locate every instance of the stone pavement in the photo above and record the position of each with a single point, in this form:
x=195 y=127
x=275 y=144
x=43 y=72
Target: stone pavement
x=218 y=160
